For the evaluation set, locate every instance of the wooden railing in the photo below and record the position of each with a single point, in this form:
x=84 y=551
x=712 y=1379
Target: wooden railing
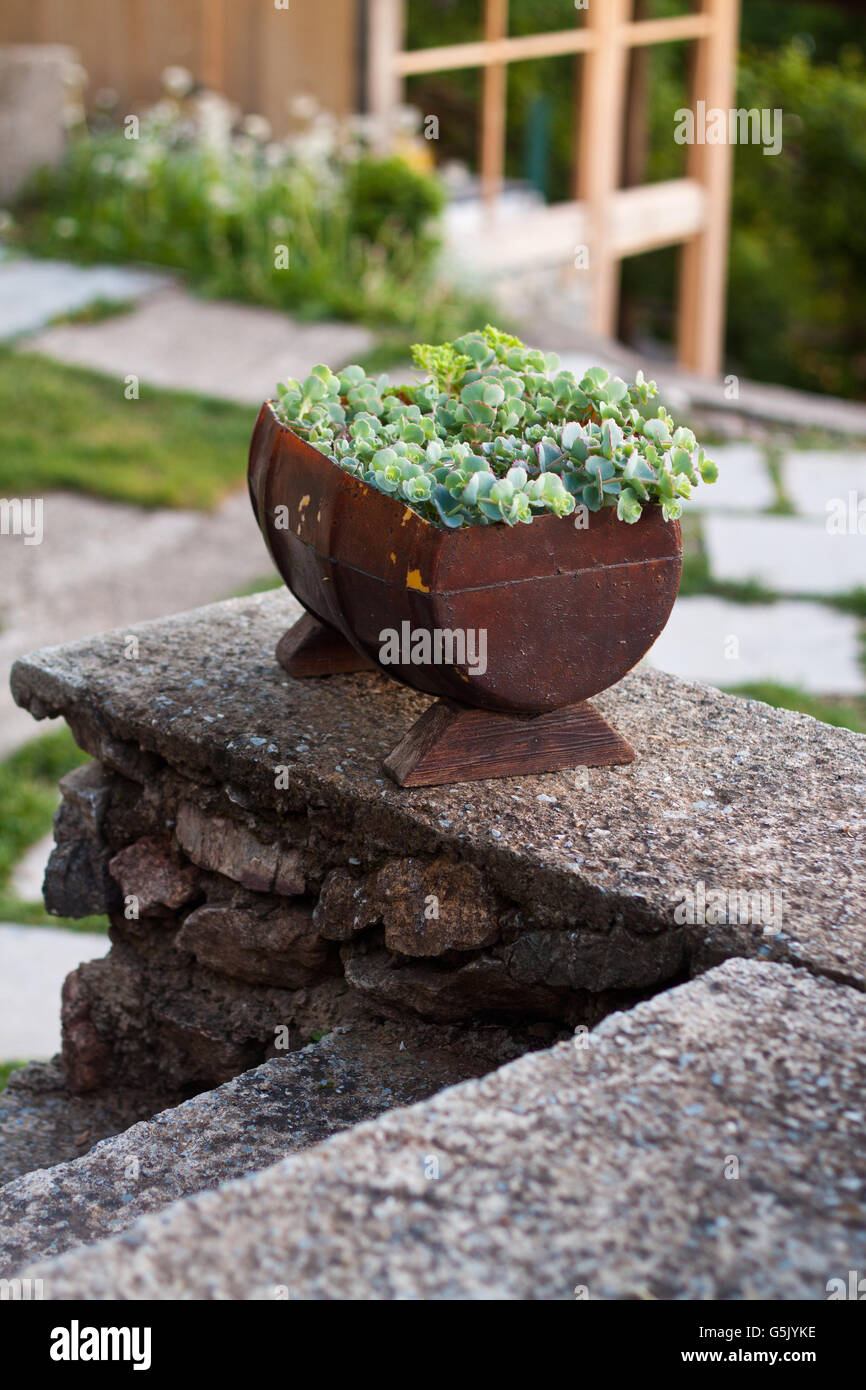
x=692 y=212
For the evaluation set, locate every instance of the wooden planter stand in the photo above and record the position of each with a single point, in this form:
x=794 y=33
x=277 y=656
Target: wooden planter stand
x=454 y=742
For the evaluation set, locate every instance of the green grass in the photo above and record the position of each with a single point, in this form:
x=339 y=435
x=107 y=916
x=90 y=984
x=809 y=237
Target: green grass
x=258 y=586
x=64 y=427
x=6 y=1070
x=28 y=800
x=96 y=311
x=783 y=506
x=844 y=712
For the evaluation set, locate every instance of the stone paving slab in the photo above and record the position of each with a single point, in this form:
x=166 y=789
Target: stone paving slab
x=706 y=1145
x=743 y=485
x=725 y=792
x=290 y=1103
x=806 y=645
x=106 y=564
x=788 y=555
x=29 y=873
x=237 y=352
x=41 y=1124
x=34 y=962
x=818 y=481
x=33 y=292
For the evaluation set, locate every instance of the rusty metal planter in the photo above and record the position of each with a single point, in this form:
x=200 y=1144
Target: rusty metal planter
x=566 y=611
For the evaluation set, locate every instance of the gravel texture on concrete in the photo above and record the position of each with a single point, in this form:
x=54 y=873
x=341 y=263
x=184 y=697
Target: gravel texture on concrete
x=706 y=1145
x=290 y=1103
x=41 y=1124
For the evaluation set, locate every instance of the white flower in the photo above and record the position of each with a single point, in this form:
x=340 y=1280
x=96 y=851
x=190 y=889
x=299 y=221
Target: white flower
x=7 y=221
x=215 y=116
x=275 y=154
x=135 y=171
x=257 y=127
x=66 y=227
x=106 y=98
x=177 y=81
x=364 y=127
x=303 y=106
x=73 y=114
x=406 y=120
x=221 y=198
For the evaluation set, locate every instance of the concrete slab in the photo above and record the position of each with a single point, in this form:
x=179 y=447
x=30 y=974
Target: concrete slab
x=807 y=645
x=788 y=555
x=743 y=485
x=84 y=579
x=724 y=791
x=820 y=482
x=34 y=292
x=233 y=351
x=682 y=1150
x=34 y=962
x=291 y=1103
x=29 y=872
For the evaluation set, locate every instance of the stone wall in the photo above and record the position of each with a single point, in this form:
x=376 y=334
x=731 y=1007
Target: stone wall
x=235 y=934
x=265 y=882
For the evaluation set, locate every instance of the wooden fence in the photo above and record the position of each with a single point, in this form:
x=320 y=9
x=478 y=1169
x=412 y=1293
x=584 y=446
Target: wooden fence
x=611 y=221
x=258 y=55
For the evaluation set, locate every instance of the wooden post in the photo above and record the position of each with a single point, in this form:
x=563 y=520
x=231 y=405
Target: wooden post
x=136 y=53
x=213 y=44
x=384 y=85
x=492 y=155
x=704 y=261
x=602 y=106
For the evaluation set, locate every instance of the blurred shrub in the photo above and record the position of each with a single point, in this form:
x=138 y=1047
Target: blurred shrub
x=384 y=195
x=797 y=269
x=314 y=224
x=797 y=287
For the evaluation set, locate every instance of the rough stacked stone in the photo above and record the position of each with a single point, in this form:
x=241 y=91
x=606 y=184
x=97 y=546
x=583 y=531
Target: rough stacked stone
x=232 y=931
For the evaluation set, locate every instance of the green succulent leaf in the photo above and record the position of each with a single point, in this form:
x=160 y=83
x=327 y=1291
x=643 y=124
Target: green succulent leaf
x=499 y=433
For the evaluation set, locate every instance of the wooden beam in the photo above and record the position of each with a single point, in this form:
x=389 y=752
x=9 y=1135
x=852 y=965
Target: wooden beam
x=703 y=269
x=638 y=219
x=655 y=214
x=675 y=29
x=492 y=146
x=602 y=110
x=522 y=47
x=384 y=85
x=477 y=55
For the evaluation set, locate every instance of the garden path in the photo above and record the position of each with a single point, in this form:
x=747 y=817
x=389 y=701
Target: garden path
x=36 y=961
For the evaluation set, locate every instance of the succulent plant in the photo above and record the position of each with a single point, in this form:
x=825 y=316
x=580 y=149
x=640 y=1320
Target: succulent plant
x=497 y=431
